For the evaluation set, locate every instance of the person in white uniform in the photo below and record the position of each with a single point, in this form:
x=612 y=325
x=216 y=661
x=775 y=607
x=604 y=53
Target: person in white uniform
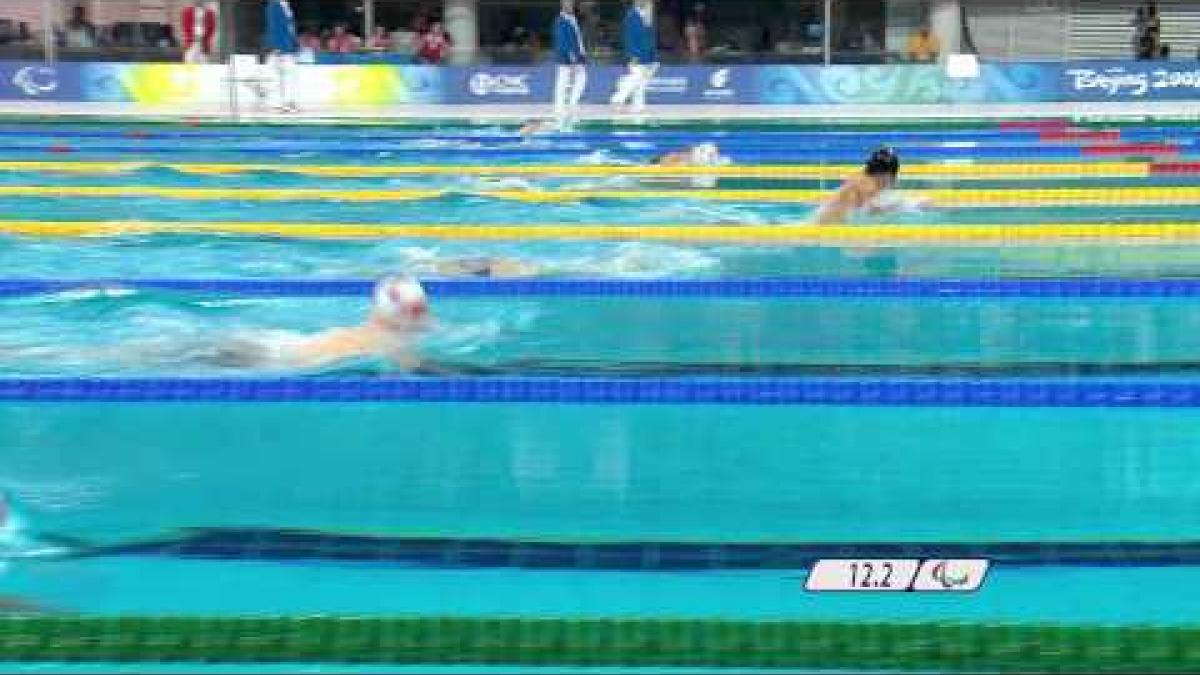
x=283 y=45
x=641 y=50
x=571 y=57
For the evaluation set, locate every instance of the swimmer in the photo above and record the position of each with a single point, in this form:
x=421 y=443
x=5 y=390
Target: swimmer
x=14 y=606
x=704 y=154
x=486 y=268
x=867 y=191
x=400 y=310
x=535 y=127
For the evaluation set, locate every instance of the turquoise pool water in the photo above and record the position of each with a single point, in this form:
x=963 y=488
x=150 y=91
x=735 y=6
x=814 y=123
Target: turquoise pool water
x=87 y=476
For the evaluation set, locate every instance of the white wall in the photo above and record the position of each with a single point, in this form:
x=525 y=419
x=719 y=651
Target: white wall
x=1018 y=29
x=902 y=17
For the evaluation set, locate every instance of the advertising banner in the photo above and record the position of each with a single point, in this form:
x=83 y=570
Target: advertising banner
x=905 y=84
x=1129 y=81
x=25 y=81
x=500 y=84
x=696 y=85
x=355 y=86
x=166 y=84
x=692 y=85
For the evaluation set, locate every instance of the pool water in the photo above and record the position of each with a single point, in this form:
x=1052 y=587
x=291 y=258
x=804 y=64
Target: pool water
x=90 y=483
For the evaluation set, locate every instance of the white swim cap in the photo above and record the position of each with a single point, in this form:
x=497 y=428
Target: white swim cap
x=401 y=298
x=706 y=154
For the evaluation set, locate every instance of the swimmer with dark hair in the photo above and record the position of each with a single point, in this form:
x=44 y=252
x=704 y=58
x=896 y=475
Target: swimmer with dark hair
x=869 y=191
x=400 y=311
x=535 y=127
x=486 y=268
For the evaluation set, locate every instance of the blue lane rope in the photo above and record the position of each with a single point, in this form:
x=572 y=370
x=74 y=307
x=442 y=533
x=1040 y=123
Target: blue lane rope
x=816 y=287
x=496 y=135
x=262 y=544
x=1133 y=393
x=744 y=155
x=268 y=133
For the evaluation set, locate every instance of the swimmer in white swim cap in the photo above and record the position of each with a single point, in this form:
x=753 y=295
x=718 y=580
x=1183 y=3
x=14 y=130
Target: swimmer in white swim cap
x=707 y=154
x=399 y=302
x=400 y=310
x=704 y=154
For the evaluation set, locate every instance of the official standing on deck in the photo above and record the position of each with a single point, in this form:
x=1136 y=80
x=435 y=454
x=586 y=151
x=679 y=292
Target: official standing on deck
x=641 y=50
x=571 y=57
x=282 y=47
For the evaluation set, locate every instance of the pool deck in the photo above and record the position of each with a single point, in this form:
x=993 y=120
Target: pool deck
x=1156 y=110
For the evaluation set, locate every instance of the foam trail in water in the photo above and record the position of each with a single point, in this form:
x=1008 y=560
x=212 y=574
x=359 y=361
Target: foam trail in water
x=15 y=542
x=471 y=337
x=642 y=260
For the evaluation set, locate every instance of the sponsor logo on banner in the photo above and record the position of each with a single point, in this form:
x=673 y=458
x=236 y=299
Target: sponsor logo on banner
x=719 y=85
x=36 y=81
x=1122 y=82
x=500 y=84
x=677 y=85
x=1110 y=81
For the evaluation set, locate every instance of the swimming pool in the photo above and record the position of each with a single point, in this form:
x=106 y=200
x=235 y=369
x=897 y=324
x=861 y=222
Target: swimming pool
x=635 y=468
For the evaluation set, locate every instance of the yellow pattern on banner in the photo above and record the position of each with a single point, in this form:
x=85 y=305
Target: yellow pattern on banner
x=883 y=235
x=795 y=171
x=963 y=197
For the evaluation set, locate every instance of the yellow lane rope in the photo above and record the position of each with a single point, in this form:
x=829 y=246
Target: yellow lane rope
x=796 y=171
x=944 y=235
x=961 y=197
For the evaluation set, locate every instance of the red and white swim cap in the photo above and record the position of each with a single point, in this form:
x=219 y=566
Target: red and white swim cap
x=401 y=298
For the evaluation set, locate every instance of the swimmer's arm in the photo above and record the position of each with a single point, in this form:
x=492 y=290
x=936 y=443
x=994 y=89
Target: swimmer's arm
x=834 y=209
x=899 y=203
x=319 y=358
x=327 y=348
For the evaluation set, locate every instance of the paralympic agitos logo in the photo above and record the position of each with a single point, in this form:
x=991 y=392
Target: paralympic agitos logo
x=36 y=80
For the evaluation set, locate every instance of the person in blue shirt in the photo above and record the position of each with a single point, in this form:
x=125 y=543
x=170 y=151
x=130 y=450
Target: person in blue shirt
x=571 y=57
x=282 y=46
x=641 y=49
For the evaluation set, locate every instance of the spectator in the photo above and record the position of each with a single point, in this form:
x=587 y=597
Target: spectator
x=534 y=47
x=923 y=46
x=404 y=42
x=80 y=32
x=343 y=41
x=381 y=40
x=590 y=23
x=1154 y=28
x=1139 y=30
x=1145 y=45
x=515 y=42
x=310 y=46
x=199 y=23
x=166 y=37
x=1147 y=32
x=435 y=44
x=765 y=42
x=420 y=22
x=695 y=35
